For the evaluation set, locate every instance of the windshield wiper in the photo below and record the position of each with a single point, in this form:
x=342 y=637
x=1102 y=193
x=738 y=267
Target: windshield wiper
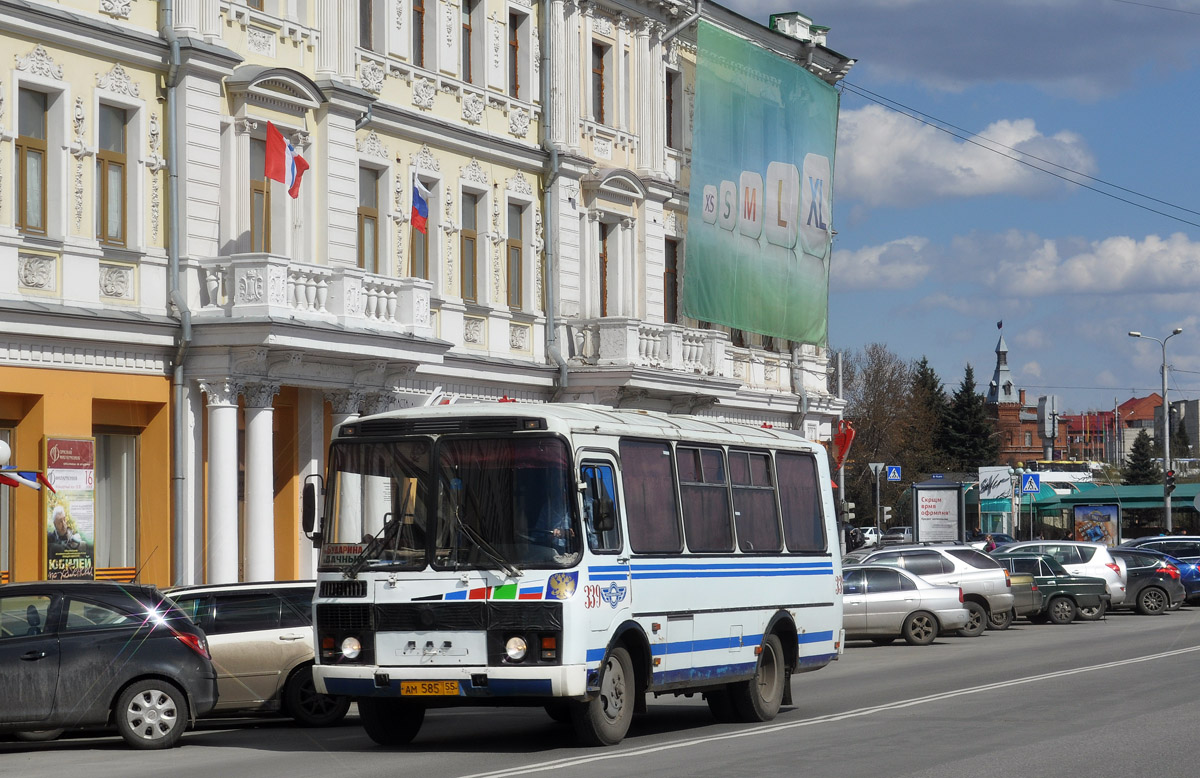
x=509 y=569
x=374 y=546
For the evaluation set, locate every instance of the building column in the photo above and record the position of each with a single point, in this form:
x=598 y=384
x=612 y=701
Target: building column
x=575 y=67
x=560 y=74
x=644 y=120
x=657 y=78
x=587 y=10
x=621 y=78
x=259 y=554
x=327 y=47
x=222 y=515
x=346 y=404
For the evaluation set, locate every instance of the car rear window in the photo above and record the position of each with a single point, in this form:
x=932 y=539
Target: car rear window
x=1087 y=552
x=974 y=558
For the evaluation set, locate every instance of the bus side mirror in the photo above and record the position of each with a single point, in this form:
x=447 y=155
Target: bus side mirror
x=308 y=512
x=606 y=515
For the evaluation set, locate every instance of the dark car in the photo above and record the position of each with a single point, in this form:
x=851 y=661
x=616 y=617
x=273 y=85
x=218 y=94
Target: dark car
x=1063 y=595
x=1185 y=547
x=261 y=639
x=91 y=654
x=1153 y=584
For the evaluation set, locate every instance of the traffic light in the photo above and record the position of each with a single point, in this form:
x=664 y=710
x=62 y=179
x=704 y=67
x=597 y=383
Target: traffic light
x=887 y=514
x=848 y=511
x=1169 y=483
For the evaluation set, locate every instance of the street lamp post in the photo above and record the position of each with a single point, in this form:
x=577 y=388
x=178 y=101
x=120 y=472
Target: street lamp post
x=1166 y=419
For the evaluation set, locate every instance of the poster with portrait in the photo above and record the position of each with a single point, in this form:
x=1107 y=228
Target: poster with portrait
x=1098 y=523
x=70 y=511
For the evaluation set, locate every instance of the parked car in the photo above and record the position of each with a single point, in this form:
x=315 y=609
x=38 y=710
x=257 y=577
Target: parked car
x=984 y=582
x=1189 y=571
x=1154 y=584
x=1080 y=558
x=92 y=654
x=883 y=602
x=1026 y=600
x=1185 y=547
x=979 y=539
x=896 y=535
x=1061 y=594
x=261 y=638
x=872 y=537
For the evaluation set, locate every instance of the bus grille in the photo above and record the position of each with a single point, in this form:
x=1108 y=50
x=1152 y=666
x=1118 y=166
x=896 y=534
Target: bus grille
x=412 y=617
x=343 y=617
x=347 y=588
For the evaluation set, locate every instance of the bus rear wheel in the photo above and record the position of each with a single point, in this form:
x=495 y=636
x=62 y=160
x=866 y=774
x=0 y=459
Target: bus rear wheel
x=759 y=699
x=604 y=720
x=391 y=722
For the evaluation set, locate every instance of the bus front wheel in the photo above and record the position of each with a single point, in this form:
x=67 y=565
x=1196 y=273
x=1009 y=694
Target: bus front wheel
x=391 y=722
x=759 y=699
x=604 y=720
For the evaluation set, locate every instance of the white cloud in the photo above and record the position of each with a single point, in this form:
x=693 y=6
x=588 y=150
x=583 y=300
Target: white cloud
x=897 y=264
x=1031 y=370
x=887 y=158
x=1030 y=266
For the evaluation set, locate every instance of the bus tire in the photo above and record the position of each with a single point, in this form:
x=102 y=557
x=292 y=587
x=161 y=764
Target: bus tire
x=604 y=719
x=390 y=722
x=759 y=699
x=721 y=705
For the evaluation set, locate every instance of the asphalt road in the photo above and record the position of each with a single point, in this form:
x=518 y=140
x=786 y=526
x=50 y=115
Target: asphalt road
x=1112 y=698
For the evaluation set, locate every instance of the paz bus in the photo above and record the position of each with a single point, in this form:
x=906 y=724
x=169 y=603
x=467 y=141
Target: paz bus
x=572 y=557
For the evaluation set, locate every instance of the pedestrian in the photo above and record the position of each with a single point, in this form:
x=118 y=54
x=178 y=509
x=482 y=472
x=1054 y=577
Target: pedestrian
x=989 y=544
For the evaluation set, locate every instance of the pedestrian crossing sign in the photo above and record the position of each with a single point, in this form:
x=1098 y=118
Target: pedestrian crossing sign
x=1031 y=483
x=893 y=472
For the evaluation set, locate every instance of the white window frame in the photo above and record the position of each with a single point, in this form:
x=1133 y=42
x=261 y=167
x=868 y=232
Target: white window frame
x=529 y=261
x=135 y=160
x=59 y=106
x=482 y=243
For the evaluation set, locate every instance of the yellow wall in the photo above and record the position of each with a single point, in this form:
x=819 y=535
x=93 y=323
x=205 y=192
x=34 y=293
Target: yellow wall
x=69 y=403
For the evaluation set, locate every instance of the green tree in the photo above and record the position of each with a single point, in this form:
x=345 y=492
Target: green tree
x=1141 y=467
x=926 y=419
x=970 y=436
x=1180 y=445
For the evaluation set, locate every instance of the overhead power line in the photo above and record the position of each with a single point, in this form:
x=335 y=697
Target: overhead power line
x=1158 y=7
x=968 y=137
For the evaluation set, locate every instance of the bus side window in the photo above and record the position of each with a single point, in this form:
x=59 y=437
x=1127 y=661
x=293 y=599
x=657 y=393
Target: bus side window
x=600 y=508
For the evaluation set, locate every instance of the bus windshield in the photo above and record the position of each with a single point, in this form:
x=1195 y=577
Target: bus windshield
x=460 y=503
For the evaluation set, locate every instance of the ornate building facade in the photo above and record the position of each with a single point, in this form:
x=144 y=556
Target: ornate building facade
x=204 y=330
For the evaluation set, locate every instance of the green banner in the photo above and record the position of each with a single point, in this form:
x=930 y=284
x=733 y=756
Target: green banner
x=761 y=192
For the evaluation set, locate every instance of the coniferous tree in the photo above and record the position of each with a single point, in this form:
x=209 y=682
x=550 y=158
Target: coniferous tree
x=971 y=440
x=1141 y=468
x=927 y=419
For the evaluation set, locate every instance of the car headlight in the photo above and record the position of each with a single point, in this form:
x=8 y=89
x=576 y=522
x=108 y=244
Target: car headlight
x=351 y=648
x=516 y=648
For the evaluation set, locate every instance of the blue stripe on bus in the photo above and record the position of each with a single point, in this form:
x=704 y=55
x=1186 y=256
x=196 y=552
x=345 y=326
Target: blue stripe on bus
x=459 y=595
x=714 y=644
x=726 y=566
x=713 y=672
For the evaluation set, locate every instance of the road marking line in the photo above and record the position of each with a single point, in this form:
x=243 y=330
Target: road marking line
x=560 y=764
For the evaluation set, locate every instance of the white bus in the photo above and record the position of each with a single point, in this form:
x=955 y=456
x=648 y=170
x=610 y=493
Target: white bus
x=572 y=557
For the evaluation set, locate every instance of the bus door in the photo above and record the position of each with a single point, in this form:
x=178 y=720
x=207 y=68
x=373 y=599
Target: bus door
x=608 y=594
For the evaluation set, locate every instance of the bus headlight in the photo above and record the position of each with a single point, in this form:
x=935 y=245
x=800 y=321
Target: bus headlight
x=516 y=648
x=351 y=648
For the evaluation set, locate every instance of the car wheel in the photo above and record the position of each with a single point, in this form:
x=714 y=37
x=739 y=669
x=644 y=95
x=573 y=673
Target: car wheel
x=391 y=722
x=920 y=628
x=883 y=641
x=604 y=719
x=1093 y=613
x=759 y=698
x=151 y=714
x=977 y=619
x=1001 y=620
x=1061 y=610
x=307 y=706
x=1153 y=601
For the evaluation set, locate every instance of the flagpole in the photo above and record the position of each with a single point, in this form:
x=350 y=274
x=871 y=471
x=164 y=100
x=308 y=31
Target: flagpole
x=266 y=196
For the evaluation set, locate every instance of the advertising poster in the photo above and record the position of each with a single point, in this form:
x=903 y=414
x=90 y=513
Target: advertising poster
x=1098 y=523
x=939 y=512
x=71 y=511
x=761 y=193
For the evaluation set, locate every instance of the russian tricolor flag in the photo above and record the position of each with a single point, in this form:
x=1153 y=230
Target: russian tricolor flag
x=283 y=164
x=420 y=206
x=31 y=478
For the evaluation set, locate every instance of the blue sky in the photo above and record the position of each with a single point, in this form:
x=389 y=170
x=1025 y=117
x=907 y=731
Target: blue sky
x=939 y=239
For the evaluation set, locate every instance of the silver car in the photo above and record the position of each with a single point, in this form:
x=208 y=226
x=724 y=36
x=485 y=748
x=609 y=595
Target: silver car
x=883 y=602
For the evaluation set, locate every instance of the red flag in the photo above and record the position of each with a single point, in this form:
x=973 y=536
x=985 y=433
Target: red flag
x=283 y=163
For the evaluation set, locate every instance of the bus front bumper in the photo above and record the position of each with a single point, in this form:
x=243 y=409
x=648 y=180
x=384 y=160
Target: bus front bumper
x=452 y=684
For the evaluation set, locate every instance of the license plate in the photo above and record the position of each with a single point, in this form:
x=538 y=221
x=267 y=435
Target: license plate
x=429 y=688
